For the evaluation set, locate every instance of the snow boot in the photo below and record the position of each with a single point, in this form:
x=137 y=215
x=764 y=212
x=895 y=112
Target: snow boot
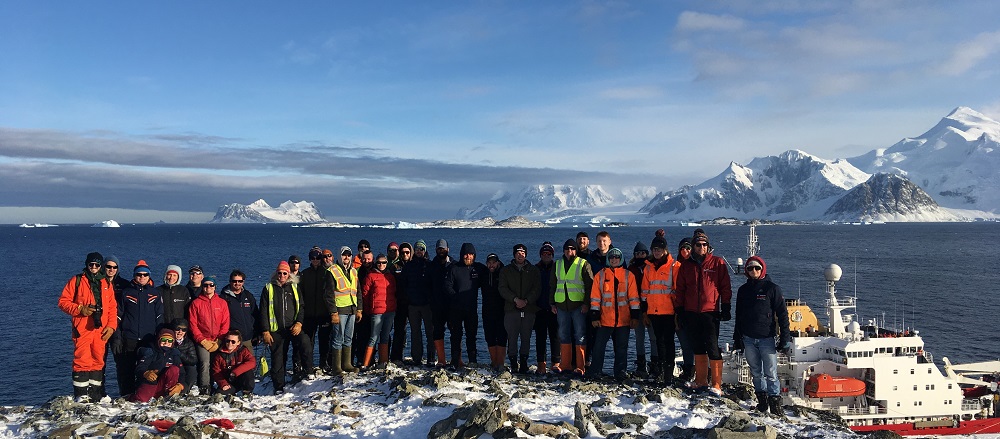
x=523 y=369
x=367 y=359
x=345 y=358
x=383 y=353
x=581 y=354
x=640 y=368
x=541 y=368
x=761 y=401
x=565 y=359
x=81 y=386
x=335 y=365
x=774 y=403
x=700 y=372
x=439 y=350
x=96 y=388
x=654 y=366
x=665 y=373
x=716 y=388
x=513 y=364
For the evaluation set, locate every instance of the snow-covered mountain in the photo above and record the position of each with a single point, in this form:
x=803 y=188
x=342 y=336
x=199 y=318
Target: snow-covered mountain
x=261 y=212
x=563 y=201
x=888 y=197
x=956 y=161
x=791 y=186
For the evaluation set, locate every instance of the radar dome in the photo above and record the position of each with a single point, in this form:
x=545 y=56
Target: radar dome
x=833 y=273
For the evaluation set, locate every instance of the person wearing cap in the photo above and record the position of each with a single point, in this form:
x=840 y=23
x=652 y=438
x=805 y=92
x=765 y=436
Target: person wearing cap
x=571 y=283
x=493 y=330
x=359 y=339
x=760 y=308
x=233 y=365
x=415 y=283
x=344 y=307
x=195 y=276
x=546 y=326
x=363 y=246
x=189 y=352
x=392 y=253
x=243 y=312
x=657 y=295
x=440 y=307
x=520 y=287
x=378 y=295
x=158 y=371
x=89 y=299
x=683 y=335
x=636 y=265
x=703 y=294
x=140 y=314
x=401 y=318
x=315 y=283
x=463 y=281
x=281 y=325
x=176 y=298
x=294 y=262
x=614 y=308
x=209 y=317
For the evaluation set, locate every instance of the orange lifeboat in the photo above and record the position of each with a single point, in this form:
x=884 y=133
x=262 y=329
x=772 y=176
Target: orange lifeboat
x=823 y=385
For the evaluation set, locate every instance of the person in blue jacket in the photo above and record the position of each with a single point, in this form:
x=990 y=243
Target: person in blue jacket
x=243 y=310
x=140 y=314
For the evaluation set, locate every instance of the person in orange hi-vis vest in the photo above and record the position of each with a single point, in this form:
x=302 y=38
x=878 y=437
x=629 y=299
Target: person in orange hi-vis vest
x=614 y=310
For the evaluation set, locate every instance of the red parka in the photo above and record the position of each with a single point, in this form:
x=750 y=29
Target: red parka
x=209 y=317
x=378 y=294
x=232 y=364
x=703 y=287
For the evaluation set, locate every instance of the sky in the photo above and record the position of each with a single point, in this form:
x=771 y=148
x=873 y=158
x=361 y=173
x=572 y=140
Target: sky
x=382 y=111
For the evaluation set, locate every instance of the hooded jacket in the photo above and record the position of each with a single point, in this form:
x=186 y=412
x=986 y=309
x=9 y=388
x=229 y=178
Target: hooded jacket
x=176 y=297
x=760 y=307
x=226 y=365
x=493 y=303
x=545 y=273
x=243 y=311
x=379 y=293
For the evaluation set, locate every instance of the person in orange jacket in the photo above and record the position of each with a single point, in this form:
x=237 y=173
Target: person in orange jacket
x=89 y=298
x=659 y=276
x=614 y=310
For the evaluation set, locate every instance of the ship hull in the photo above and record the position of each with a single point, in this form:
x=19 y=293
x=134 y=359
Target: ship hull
x=976 y=426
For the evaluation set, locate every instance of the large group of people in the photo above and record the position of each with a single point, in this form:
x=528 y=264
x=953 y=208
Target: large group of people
x=357 y=307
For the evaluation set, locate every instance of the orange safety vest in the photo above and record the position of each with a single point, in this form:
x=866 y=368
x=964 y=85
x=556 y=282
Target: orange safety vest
x=615 y=305
x=658 y=287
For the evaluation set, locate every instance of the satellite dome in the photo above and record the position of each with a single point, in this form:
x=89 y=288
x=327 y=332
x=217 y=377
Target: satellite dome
x=833 y=273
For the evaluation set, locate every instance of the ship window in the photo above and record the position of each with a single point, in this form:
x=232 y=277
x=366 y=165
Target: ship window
x=928 y=370
x=927 y=387
x=912 y=371
x=838 y=368
x=914 y=387
x=897 y=403
x=895 y=371
x=894 y=388
x=804 y=352
x=949 y=387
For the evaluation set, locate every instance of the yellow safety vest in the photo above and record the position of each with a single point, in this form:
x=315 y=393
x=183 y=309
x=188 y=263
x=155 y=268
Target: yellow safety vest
x=270 y=309
x=346 y=289
x=569 y=284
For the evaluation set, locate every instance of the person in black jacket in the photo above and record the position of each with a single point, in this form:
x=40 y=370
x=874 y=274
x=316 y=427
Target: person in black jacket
x=243 y=309
x=140 y=314
x=462 y=282
x=189 y=354
x=760 y=308
x=493 y=330
x=159 y=371
x=175 y=296
x=439 y=298
x=315 y=283
x=546 y=323
x=415 y=283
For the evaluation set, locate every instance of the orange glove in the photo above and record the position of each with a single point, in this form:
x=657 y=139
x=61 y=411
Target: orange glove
x=150 y=376
x=106 y=333
x=175 y=389
x=213 y=346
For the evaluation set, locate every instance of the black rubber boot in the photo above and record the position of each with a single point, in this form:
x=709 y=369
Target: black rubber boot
x=523 y=367
x=514 y=366
x=640 y=368
x=762 y=403
x=774 y=403
x=81 y=386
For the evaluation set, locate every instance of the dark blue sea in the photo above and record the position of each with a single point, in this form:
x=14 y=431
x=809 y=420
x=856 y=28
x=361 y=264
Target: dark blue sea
x=940 y=279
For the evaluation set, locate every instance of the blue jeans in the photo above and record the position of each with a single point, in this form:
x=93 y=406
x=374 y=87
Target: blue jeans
x=342 y=332
x=619 y=338
x=571 y=326
x=381 y=328
x=763 y=360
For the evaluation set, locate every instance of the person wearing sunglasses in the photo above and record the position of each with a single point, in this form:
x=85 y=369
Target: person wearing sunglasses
x=189 y=352
x=415 y=284
x=704 y=294
x=614 y=310
x=233 y=366
x=315 y=283
x=209 y=317
x=89 y=299
x=159 y=369
x=140 y=314
x=759 y=304
x=378 y=295
x=243 y=312
x=684 y=335
x=176 y=297
x=401 y=320
x=281 y=320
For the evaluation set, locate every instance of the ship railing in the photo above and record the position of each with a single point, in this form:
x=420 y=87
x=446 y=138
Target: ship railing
x=868 y=410
x=971 y=404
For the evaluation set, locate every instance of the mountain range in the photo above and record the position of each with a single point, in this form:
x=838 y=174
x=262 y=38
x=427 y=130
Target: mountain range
x=259 y=211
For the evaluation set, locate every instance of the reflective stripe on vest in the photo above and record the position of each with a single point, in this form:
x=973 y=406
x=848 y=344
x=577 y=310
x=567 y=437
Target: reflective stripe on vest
x=346 y=292
x=608 y=298
x=270 y=309
x=569 y=284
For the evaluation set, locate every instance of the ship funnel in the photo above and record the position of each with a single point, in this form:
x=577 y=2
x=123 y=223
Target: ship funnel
x=833 y=273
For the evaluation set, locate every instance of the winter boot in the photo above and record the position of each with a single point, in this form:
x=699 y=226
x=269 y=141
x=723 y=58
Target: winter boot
x=493 y=356
x=654 y=366
x=383 y=353
x=335 y=365
x=345 y=360
x=523 y=365
x=501 y=354
x=541 y=369
x=96 y=387
x=367 y=359
x=640 y=367
x=774 y=403
x=439 y=350
x=81 y=386
x=761 y=401
x=700 y=372
x=581 y=354
x=716 y=388
x=513 y=364
x=665 y=373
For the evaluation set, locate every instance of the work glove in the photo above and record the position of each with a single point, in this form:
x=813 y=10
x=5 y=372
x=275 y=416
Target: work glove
x=296 y=329
x=268 y=340
x=335 y=318
x=117 y=345
x=738 y=344
x=175 y=389
x=207 y=344
x=106 y=333
x=213 y=346
x=782 y=343
x=86 y=310
x=150 y=376
x=727 y=312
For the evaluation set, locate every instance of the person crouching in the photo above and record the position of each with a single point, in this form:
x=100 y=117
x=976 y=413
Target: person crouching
x=614 y=309
x=233 y=365
x=159 y=369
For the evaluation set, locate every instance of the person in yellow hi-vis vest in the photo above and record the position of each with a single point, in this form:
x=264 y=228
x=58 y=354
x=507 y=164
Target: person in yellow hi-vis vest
x=570 y=282
x=281 y=320
x=345 y=308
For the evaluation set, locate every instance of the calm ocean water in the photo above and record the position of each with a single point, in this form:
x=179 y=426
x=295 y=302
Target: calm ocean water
x=940 y=279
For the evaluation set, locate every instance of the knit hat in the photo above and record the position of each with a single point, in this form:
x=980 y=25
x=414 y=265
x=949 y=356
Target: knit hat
x=520 y=247
x=327 y=252
x=209 y=280
x=141 y=267
x=111 y=258
x=180 y=323
x=174 y=269
x=615 y=252
x=93 y=257
x=166 y=332
x=391 y=245
x=684 y=242
x=420 y=244
x=405 y=245
x=283 y=266
x=315 y=254
x=546 y=247
x=640 y=247
x=757 y=261
x=569 y=244
x=700 y=238
x=467 y=248
x=441 y=244
x=364 y=243
x=295 y=259
x=345 y=250
x=658 y=242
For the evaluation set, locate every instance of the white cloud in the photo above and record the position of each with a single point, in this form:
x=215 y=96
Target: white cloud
x=969 y=54
x=691 y=21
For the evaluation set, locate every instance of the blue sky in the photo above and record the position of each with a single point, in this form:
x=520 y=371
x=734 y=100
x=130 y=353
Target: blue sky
x=412 y=110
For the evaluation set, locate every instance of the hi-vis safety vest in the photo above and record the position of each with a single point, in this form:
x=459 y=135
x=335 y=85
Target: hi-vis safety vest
x=346 y=289
x=270 y=309
x=658 y=287
x=615 y=304
x=569 y=284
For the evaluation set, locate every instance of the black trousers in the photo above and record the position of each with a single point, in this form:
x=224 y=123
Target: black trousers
x=318 y=328
x=704 y=327
x=663 y=328
x=459 y=319
x=279 y=350
x=493 y=329
x=125 y=366
x=244 y=382
x=546 y=330
x=399 y=332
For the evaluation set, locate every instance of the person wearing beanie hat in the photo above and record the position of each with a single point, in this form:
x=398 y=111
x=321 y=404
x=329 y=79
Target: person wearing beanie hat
x=209 y=316
x=520 y=286
x=462 y=282
x=657 y=304
x=315 y=283
x=281 y=317
x=658 y=241
x=614 y=309
x=394 y=252
x=703 y=298
x=636 y=265
x=189 y=353
x=414 y=287
x=140 y=313
x=546 y=247
x=546 y=326
x=363 y=246
x=112 y=269
x=684 y=335
x=439 y=299
x=89 y=299
x=345 y=309
x=158 y=371
x=493 y=330
x=175 y=296
x=420 y=244
x=570 y=285
x=294 y=262
x=759 y=303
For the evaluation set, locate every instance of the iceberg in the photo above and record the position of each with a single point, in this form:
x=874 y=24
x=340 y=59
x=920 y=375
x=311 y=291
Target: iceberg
x=108 y=223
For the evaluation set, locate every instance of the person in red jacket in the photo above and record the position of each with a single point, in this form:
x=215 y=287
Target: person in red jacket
x=89 y=299
x=703 y=297
x=233 y=365
x=378 y=296
x=209 y=320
